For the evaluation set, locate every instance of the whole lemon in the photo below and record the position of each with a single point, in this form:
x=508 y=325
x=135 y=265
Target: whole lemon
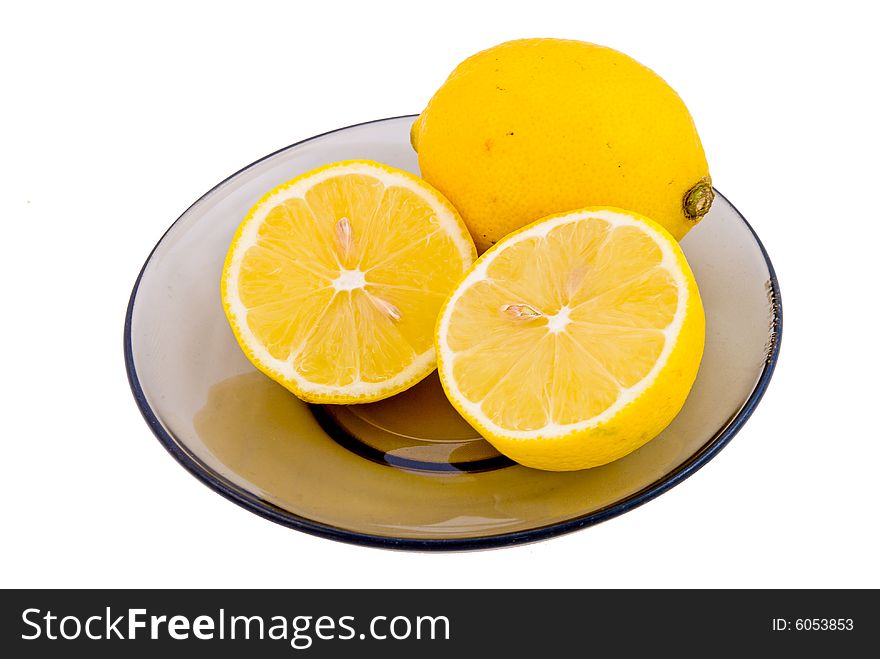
x=540 y=126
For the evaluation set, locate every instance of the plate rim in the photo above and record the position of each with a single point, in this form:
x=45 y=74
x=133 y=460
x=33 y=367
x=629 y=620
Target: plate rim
x=276 y=514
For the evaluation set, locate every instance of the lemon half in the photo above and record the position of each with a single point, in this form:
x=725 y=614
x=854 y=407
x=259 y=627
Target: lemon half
x=333 y=281
x=574 y=340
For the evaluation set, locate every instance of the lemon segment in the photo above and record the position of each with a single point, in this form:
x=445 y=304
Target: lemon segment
x=574 y=340
x=334 y=280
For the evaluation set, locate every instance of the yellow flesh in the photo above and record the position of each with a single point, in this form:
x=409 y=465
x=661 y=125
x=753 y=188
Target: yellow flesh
x=373 y=331
x=618 y=298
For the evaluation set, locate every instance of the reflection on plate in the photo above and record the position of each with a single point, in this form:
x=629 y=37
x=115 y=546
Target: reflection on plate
x=408 y=472
x=417 y=429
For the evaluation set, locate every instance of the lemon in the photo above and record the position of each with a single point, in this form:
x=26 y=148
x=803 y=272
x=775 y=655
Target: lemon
x=541 y=126
x=574 y=340
x=334 y=280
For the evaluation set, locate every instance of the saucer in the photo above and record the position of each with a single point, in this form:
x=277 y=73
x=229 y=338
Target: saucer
x=408 y=472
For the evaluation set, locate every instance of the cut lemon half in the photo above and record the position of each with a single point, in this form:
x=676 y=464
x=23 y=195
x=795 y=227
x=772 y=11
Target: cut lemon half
x=574 y=340
x=334 y=280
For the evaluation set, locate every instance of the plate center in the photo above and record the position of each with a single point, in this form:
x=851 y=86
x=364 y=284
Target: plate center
x=417 y=429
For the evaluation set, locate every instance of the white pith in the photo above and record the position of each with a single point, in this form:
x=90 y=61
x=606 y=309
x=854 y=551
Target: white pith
x=555 y=324
x=349 y=280
x=346 y=281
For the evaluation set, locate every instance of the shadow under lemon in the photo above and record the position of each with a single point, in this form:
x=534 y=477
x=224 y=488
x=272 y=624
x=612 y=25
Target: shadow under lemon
x=406 y=466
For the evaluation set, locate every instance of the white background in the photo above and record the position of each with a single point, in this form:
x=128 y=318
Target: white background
x=115 y=119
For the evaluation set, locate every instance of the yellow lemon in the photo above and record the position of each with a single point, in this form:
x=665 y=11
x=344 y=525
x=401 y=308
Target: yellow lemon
x=334 y=280
x=540 y=126
x=574 y=340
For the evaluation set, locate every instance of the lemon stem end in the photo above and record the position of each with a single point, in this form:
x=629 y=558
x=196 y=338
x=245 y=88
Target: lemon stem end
x=698 y=200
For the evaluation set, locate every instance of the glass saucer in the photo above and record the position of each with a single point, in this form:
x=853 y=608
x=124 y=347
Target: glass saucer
x=409 y=473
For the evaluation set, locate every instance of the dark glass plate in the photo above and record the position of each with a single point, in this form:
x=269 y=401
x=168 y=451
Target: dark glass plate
x=408 y=472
